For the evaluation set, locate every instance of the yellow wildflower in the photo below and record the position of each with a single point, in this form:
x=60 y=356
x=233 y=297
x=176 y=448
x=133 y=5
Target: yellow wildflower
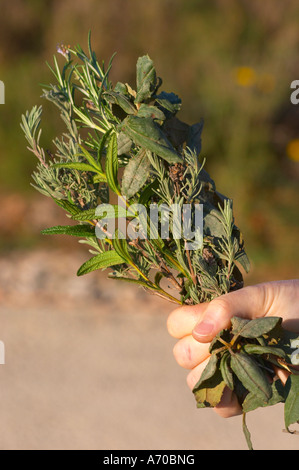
x=245 y=76
x=293 y=150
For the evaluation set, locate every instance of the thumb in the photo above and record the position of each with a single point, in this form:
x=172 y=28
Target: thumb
x=248 y=302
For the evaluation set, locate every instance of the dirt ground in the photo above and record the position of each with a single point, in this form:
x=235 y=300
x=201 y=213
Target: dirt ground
x=89 y=365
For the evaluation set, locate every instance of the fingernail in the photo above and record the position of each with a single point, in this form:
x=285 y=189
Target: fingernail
x=204 y=328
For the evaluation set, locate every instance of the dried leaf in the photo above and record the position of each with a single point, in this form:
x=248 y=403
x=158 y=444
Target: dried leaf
x=210 y=392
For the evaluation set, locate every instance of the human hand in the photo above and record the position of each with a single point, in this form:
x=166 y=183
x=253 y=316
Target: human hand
x=195 y=326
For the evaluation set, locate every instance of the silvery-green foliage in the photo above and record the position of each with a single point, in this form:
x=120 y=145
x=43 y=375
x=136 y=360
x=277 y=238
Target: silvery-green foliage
x=128 y=144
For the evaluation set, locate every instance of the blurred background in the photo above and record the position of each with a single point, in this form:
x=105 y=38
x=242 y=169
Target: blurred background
x=89 y=364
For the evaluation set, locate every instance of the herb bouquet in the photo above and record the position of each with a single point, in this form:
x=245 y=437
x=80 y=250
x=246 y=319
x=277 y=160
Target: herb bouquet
x=127 y=173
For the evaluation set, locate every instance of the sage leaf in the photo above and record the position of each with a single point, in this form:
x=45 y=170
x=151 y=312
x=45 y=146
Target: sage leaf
x=150 y=111
x=208 y=371
x=144 y=132
x=259 y=327
x=257 y=349
x=194 y=137
x=170 y=103
x=124 y=143
x=251 y=375
x=237 y=323
x=100 y=261
x=252 y=402
x=226 y=371
x=135 y=174
x=146 y=79
x=291 y=407
x=120 y=100
x=243 y=259
x=176 y=131
x=74 y=230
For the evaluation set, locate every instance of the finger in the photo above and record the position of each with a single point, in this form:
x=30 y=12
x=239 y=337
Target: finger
x=182 y=320
x=229 y=405
x=188 y=352
x=248 y=302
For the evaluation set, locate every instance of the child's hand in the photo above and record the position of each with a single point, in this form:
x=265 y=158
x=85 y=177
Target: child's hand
x=195 y=326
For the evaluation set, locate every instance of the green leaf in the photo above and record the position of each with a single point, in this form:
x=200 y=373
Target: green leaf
x=246 y=432
x=208 y=371
x=237 y=323
x=74 y=230
x=257 y=349
x=252 y=402
x=111 y=166
x=99 y=178
x=259 y=327
x=111 y=211
x=135 y=174
x=121 y=100
x=291 y=407
x=242 y=258
x=67 y=206
x=124 y=143
x=146 y=79
x=101 y=261
x=121 y=247
x=194 y=137
x=89 y=157
x=212 y=224
x=150 y=111
x=169 y=102
x=148 y=192
x=83 y=216
x=226 y=371
x=76 y=166
x=251 y=376
x=144 y=132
